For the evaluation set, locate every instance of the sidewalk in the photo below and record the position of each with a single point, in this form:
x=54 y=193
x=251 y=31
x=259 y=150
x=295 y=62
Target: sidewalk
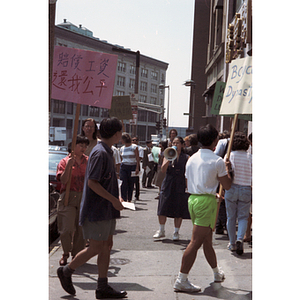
x=147 y=269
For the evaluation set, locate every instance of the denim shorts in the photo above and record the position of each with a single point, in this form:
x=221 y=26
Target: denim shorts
x=99 y=231
x=203 y=209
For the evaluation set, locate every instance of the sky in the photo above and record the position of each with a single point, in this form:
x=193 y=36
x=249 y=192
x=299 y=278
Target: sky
x=162 y=29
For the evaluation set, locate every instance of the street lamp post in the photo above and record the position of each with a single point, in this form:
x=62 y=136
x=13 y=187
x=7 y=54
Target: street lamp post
x=161 y=87
x=192 y=84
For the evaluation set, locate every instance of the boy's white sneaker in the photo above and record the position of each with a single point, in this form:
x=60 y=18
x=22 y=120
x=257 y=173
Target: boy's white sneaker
x=159 y=234
x=219 y=276
x=186 y=286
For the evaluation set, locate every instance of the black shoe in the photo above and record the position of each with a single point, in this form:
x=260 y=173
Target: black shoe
x=239 y=248
x=219 y=231
x=66 y=282
x=109 y=292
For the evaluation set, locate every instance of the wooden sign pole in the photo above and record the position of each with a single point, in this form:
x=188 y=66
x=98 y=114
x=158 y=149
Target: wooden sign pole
x=72 y=151
x=228 y=155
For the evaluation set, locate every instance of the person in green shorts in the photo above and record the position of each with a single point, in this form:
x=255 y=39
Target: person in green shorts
x=204 y=171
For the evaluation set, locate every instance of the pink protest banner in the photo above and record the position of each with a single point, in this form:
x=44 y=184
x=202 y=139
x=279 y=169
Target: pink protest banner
x=83 y=77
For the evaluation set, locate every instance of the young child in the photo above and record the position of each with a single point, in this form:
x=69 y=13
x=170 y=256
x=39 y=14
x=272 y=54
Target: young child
x=204 y=171
x=71 y=167
x=99 y=210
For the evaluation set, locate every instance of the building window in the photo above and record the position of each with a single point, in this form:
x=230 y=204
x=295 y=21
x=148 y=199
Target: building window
x=59 y=106
x=151 y=116
x=143 y=98
x=121 y=81
x=94 y=111
x=121 y=67
x=162 y=78
x=132 y=70
x=142 y=115
x=144 y=73
x=69 y=108
x=120 y=93
x=153 y=100
x=143 y=86
x=154 y=75
x=238 y=4
x=154 y=88
x=104 y=113
x=85 y=110
x=132 y=83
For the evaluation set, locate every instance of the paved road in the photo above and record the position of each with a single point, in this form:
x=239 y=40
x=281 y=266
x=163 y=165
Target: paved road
x=147 y=268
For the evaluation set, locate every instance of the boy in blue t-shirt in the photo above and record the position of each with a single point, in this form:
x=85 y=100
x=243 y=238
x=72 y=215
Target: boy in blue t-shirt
x=100 y=207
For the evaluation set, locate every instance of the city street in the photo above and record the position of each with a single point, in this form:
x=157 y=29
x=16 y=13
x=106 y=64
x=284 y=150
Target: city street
x=147 y=268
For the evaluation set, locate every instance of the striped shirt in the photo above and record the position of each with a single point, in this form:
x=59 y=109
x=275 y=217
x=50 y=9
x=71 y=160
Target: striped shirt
x=128 y=155
x=242 y=165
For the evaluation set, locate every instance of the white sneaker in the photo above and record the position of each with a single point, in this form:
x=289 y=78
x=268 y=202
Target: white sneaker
x=231 y=247
x=219 y=276
x=175 y=236
x=186 y=286
x=159 y=234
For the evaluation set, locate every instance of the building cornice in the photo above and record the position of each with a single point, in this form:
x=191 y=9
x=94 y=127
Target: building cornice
x=95 y=43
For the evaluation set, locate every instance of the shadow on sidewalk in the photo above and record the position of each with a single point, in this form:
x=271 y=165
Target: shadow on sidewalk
x=216 y=290
x=120 y=286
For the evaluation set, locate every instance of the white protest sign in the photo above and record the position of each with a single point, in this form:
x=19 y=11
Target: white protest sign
x=237 y=97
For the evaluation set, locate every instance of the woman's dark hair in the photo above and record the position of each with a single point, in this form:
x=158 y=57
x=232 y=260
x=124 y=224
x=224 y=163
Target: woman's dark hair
x=207 y=134
x=164 y=144
x=174 y=131
x=126 y=138
x=240 y=141
x=181 y=140
x=96 y=128
x=80 y=139
x=109 y=127
x=193 y=139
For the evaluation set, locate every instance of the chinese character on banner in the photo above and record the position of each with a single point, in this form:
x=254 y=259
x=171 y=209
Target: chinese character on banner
x=83 y=77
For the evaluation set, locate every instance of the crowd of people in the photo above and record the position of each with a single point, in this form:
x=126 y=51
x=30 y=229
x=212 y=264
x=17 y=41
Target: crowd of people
x=188 y=189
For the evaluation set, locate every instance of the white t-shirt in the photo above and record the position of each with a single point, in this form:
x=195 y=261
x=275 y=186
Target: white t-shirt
x=128 y=155
x=202 y=170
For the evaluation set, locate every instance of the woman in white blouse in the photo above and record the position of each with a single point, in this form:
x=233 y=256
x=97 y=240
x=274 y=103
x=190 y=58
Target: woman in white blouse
x=130 y=166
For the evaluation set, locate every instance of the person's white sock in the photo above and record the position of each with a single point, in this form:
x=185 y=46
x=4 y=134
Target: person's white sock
x=182 y=276
x=216 y=269
x=162 y=227
x=176 y=229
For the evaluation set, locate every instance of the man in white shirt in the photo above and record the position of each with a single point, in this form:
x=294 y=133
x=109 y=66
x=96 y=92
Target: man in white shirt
x=204 y=171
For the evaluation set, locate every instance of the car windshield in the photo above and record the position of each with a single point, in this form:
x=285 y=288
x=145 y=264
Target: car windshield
x=54 y=159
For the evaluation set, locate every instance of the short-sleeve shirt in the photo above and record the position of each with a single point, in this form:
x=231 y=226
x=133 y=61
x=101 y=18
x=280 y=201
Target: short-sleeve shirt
x=242 y=166
x=77 y=175
x=128 y=154
x=202 y=172
x=101 y=167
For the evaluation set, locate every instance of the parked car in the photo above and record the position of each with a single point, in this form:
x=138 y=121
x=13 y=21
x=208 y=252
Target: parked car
x=53 y=198
x=58 y=148
x=55 y=157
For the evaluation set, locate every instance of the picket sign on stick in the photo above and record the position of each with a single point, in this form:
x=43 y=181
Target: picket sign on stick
x=72 y=151
x=228 y=155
